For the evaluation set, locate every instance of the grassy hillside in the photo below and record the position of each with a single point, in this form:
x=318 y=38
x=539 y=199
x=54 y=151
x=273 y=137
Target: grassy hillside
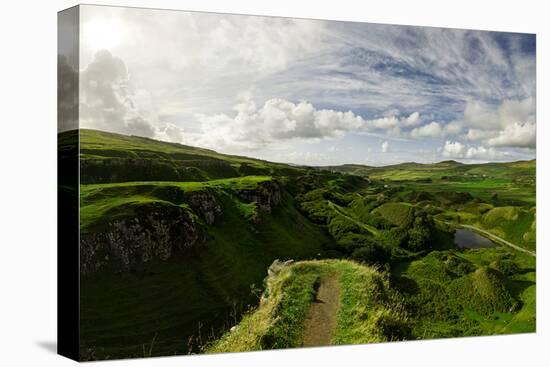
x=442 y=295
x=481 y=292
x=498 y=197
x=395 y=213
x=174 y=306
x=524 y=170
x=105 y=202
x=176 y=241
x=202 y=288
x=368 y=310
x=108 y=157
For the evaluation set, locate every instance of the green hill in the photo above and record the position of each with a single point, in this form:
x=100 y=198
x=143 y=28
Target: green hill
x=176 y=240
x=468 y=293
x=441 y=295
x=443 y=169
x=368 y=310
x=108 y=157
x=396 y=213
x=164 y=254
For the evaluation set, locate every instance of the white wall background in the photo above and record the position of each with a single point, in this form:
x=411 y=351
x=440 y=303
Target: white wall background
x=28 y=182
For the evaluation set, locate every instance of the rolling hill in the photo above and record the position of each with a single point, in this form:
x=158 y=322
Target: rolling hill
x=176 y=241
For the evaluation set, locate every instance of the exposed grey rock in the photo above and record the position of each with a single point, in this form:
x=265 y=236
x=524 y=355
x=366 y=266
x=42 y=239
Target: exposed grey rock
x=267 y=195
x=156 y=231
x=204 y=203
x=276 y=267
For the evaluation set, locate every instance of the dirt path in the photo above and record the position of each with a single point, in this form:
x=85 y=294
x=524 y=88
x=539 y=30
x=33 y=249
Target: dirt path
x=321 y=318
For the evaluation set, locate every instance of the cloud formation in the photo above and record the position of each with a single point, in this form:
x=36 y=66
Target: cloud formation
x=385 y=147
x=253 y=127
x=105 y=97
x=509 y=124
x=519 y=134
x=67 y=95
x=109 y=102
x=251 y=84
x=431 y=130
x=457 y=150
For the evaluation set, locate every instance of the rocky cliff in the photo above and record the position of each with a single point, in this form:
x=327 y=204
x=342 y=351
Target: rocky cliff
x=205 y=204
x=156 y=231
x=159 y=230
x=266 y=195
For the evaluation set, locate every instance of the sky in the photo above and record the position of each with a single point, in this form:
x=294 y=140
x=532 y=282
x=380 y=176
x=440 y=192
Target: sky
x=309 y=92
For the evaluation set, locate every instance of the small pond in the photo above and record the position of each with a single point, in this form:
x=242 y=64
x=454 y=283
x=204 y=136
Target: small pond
x=465 y=238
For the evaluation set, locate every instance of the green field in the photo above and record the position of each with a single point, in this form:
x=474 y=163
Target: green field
x=176 y=243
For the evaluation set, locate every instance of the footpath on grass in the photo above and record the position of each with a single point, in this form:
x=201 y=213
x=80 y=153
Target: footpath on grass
x=320 y=321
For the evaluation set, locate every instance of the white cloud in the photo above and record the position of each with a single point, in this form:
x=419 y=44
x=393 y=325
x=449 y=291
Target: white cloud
x=387 y=122
x=200 y=41
x=521 y=135
x=431 y=130
x=483 y=116
x=453 y=128
x=385 y=147
x=276 y=120
x=107 y=99
x=458 y=150
x=412 y=120
x=510 y=124
x=140 y=127
x=392 y=122
x=453 y=149
x=176 y=75
x=171 y=133
x=478 y=134
x=109 y=102
x=480 y=152
x=191 y=61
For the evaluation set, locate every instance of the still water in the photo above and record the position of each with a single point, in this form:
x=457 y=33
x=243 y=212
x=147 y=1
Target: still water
x=464 y=238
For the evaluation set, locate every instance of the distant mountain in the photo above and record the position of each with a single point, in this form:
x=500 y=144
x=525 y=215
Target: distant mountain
x=443 y=169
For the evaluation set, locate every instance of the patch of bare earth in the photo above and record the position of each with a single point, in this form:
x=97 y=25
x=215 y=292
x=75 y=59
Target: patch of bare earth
x=320 y=321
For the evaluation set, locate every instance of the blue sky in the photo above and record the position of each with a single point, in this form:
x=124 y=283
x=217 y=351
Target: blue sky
x=309 y=91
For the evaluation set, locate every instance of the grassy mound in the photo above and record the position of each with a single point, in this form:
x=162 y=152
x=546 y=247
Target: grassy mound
x=482 y=291
x=396 y=213
x=494 y=216
x=515 y=224
x=369 y=311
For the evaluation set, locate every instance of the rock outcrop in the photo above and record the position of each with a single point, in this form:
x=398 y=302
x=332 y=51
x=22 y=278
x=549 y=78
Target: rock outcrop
x=205 y=205
x=156 y=231
x=267 y=195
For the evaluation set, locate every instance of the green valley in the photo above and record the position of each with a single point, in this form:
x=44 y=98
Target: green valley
x=187 y=250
